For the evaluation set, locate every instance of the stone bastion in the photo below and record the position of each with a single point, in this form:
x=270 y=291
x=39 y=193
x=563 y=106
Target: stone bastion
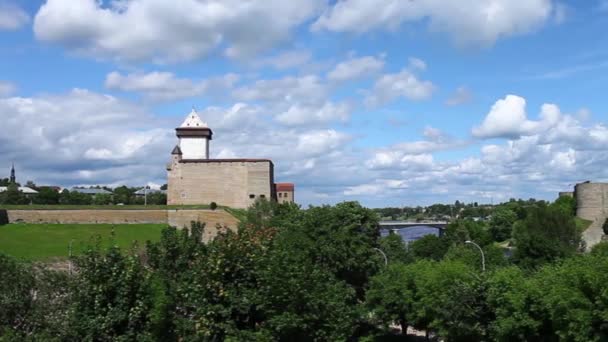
x=591 y=204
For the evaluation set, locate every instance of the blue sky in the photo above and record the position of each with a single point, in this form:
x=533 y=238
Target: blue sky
x=386 y=102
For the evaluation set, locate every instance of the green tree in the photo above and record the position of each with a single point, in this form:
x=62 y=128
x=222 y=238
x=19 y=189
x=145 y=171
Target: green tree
x=470 y=255
x=451 y=301
x=102 y=199
x=567 y=204
x=112 y=296
x=124 y=195
x=516 y=303
x=46 y=195
x=501 y=223
x=391 y=296
x=574 y=296
x=394 y=248
x=429 y=247
x=12 y=195
x=546 y=234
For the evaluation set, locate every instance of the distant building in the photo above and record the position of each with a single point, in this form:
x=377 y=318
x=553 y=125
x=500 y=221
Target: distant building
x=194 y=178
x=285 y=192
x=24 y=189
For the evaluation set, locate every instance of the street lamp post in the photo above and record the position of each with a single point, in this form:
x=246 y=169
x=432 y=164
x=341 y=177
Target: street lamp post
x=384 y=255
x=483 y=258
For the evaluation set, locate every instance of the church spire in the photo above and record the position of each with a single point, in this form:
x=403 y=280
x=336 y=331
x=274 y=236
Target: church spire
x=13 y=180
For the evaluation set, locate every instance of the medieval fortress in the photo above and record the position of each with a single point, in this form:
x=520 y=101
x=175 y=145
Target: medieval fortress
x=194 y=178
x=592 y=205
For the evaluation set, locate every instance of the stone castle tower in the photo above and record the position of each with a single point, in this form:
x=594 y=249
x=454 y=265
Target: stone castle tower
x=592 y=204
x=194 y=178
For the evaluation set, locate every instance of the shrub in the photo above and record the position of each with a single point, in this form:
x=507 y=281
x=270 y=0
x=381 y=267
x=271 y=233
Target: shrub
x=213 y=205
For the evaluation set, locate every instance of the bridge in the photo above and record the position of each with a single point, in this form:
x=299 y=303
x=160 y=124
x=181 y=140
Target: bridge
x=407 y=224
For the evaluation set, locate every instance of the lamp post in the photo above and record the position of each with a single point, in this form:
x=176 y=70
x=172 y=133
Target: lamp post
x=483 y=258
x=384 y=255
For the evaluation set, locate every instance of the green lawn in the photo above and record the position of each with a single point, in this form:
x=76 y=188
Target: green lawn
x=42 y=242
x=99 y=207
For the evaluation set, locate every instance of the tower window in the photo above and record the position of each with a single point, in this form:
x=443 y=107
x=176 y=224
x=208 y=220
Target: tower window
x=251 y=196
x=280 y=194
x=262 y=196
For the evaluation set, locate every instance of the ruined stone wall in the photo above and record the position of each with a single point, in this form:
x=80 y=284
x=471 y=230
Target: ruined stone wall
x=179 y=218
x=88 y=216
x=591 y=204
x=226 y=183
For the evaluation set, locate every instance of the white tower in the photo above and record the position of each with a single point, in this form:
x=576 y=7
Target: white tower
x=194 y=136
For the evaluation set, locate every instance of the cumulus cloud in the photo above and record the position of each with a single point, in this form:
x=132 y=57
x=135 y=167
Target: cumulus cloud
x=286 y=60
x=355 y=68
x=82 y=136
x=165 y=86
x=7 y=88
x=508 y=119
x=405 y=83
x=320 y=142
x=414 y=154
x=12 y=17
x=167 y=31
x=462 y=95
x=303 y=115
x=468 y=22
x=308 y=88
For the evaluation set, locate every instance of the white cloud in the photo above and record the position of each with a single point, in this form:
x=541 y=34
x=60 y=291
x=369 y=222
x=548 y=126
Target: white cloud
x=165 y=86
x=286 y=60
x=468 y=22
x=7 y=88
x=165 y=31
x=417 y=64
x=302 y=115
x=355 y=68
x=320 y=142
x=304 y=89
x=402 y=84
x=508 y=119
x=83 y=136
x=462 y=95
x=12 y=17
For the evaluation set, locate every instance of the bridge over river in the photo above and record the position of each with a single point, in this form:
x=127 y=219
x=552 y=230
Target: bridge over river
x=412 y=231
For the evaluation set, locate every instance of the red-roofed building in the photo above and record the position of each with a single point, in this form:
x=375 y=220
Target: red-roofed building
x=285 y=192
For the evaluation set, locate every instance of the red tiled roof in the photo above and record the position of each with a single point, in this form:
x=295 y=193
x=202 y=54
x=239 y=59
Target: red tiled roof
x=285 y=186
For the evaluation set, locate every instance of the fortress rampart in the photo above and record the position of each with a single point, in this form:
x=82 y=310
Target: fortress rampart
x=174 y=217
x=592 y=205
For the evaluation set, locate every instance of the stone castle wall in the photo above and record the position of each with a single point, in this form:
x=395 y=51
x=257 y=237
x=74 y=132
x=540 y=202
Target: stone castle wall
x=179 y=218
x=592 y=205
x=227 y=183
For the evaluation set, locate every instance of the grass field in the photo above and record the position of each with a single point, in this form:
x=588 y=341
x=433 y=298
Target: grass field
x=44 y=242
x=99 y=207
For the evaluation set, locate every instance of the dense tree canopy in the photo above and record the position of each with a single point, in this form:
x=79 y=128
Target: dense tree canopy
x=288 y=274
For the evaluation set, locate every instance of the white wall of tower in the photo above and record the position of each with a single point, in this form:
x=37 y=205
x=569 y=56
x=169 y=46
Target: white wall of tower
x=194 y=147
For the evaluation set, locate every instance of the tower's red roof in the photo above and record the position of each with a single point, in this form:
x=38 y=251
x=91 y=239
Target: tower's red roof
x=285 y=186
